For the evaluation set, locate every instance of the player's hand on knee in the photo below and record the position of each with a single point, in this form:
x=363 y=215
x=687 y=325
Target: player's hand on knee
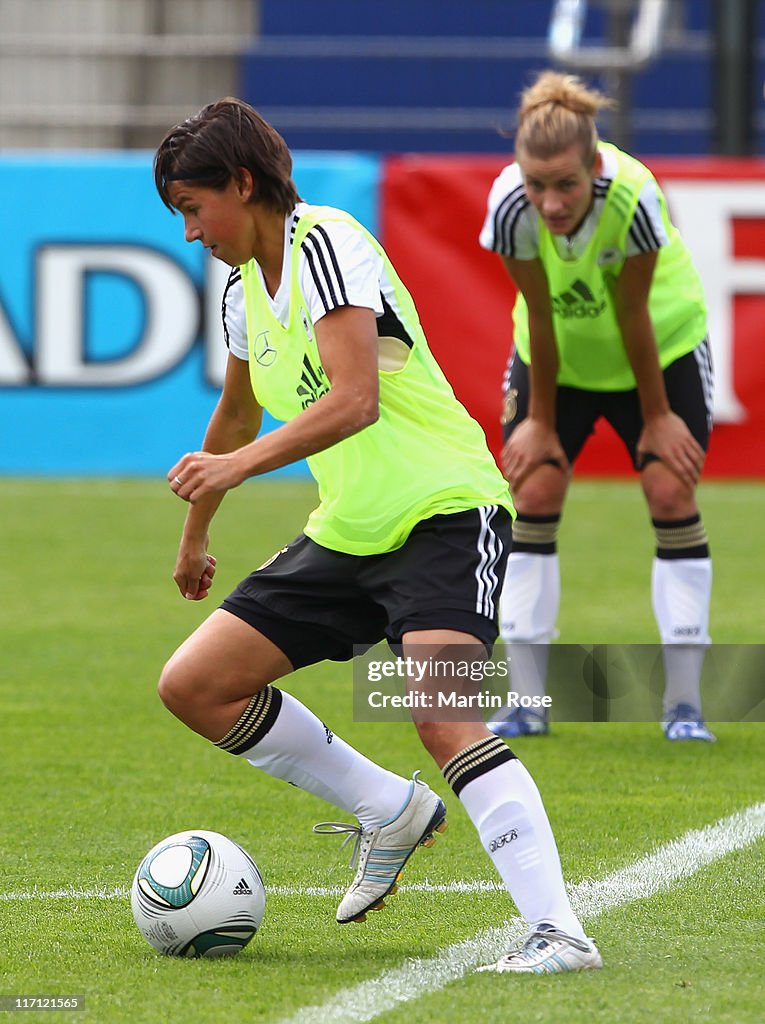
x=531 y=445
x=668 y=438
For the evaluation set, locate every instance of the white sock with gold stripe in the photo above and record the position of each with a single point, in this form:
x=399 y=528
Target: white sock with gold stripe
x=283 y=738
x=504 y=804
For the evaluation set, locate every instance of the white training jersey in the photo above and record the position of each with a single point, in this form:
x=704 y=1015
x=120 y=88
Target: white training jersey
x=511 y=227
x=338 y=267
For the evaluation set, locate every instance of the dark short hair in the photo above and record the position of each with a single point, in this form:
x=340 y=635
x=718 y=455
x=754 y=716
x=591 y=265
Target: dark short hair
x=213 y=146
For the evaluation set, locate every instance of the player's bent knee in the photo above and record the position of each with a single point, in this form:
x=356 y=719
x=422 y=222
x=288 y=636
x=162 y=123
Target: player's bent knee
x=667 y=496
x=176 y=687
x=542 y=494
x=166 y=689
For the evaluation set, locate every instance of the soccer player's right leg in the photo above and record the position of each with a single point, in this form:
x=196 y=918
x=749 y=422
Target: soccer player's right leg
x=220 y=684
x=528 y=607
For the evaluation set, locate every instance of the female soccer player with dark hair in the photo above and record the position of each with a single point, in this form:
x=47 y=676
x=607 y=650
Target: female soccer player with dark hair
x=408 y=543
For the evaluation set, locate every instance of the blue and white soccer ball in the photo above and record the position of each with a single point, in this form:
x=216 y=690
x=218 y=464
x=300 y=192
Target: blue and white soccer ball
x=198 y=893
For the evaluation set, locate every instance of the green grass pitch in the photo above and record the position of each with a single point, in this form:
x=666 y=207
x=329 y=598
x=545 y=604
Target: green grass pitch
x=95 y=771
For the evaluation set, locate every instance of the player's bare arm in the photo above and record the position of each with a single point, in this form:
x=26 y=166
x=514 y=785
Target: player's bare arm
x=234 y=423
x=535 y=440
x=347 y=343
x=664 y=433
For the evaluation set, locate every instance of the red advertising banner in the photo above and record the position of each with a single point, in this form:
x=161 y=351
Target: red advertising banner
x=432 y=209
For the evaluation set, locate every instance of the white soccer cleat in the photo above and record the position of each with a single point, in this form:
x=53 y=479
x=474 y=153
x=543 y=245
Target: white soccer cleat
x=546 y=950
x=381 y=853
x=518 y=722
x=684 y=722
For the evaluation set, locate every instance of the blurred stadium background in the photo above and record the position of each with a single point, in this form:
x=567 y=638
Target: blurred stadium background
x=409 y=75
x=398 y=112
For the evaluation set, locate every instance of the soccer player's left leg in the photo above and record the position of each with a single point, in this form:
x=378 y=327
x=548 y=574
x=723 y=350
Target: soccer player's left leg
x=681 y=585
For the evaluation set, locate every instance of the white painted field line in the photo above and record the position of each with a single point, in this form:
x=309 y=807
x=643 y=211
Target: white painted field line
x=122 y=892
x=65 y=894
x=671 y=863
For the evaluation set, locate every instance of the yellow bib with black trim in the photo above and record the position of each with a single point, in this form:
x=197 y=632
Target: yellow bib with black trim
x=424 y=456
x=590 y=348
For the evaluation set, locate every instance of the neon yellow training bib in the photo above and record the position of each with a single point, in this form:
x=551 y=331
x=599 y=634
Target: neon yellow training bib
x=590 y=347
x=424 y=456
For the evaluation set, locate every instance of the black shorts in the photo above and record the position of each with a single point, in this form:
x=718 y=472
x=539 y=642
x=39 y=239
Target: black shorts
x=317 y=604
x=688 y=382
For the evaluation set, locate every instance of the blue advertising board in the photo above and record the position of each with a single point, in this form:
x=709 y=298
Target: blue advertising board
x=111 y=347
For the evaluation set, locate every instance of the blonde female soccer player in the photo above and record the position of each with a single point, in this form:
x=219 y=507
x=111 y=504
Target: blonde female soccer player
x=408 y=543
x=610 y=321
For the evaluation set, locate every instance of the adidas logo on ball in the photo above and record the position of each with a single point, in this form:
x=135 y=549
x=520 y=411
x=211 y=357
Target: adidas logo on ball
x=242 y=888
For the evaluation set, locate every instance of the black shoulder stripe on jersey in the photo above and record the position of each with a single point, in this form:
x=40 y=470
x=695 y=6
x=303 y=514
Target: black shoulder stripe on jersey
x=506 y=218
x=638 y=236
x=333 y=257
x=233 y=277
x=317 y=278
x=325 y=268
x=642 y=230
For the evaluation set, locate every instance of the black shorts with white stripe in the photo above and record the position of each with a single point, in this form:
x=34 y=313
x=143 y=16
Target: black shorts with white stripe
x=316 y=604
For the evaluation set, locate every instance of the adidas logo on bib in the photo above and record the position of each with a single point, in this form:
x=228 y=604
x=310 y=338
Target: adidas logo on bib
x=577 y=302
